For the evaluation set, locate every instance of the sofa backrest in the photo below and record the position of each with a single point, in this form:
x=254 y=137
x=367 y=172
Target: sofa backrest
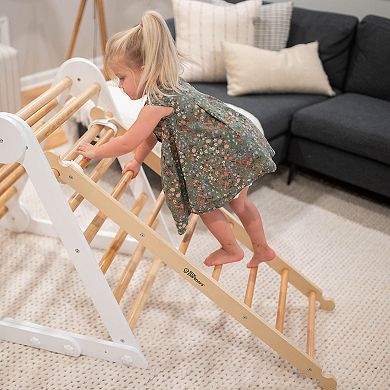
x=335 y=34
x=369 y=68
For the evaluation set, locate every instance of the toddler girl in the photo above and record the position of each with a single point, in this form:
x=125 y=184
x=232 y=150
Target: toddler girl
x=210 y=153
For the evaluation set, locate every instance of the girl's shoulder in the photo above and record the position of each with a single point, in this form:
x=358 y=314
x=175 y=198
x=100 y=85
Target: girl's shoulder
x=170 y=97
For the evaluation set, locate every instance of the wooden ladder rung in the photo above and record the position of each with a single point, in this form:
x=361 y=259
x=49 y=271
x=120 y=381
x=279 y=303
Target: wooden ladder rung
x=99 y=219
x=250 y=288
x=96 y=174
x=128 y=273
x=66 y=112
x=44 y=98
x=218 y=268
x=7 y=195
x=144 y=293
x=3 y=211
x=310 y=324
x=152 y=274
x=282 y=301
x=121 y=235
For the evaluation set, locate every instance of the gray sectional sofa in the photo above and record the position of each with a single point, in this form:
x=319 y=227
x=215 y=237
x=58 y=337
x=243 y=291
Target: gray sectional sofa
x=346 y=136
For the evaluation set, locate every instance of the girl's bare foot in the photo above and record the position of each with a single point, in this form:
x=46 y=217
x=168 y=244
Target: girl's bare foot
x=261 y=254
x=222 y=256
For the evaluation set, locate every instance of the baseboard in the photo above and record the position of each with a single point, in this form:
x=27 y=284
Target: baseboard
x=41 y=79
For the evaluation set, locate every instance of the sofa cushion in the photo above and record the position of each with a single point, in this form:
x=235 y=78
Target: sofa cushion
x=334 y=32
x=351 y=122
x=369 y=71
x=273 y=110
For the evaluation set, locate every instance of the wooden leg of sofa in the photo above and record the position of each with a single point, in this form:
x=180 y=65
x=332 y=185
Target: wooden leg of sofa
x=291 y=172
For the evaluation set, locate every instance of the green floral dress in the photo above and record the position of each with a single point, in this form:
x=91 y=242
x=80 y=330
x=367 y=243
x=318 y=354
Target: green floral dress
x=209 y=153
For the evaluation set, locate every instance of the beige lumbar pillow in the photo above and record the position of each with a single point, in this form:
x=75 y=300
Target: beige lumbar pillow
x=201 y=29
x=296 y=69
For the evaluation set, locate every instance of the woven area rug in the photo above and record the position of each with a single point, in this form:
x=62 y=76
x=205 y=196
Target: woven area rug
x=337 y=238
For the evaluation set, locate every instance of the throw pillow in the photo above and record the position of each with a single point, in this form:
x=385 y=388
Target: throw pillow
x=201 y=28
x=296 y=69
x=272 y=27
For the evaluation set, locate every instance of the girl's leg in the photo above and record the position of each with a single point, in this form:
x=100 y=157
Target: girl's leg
x=222 y=231
x=251 y=220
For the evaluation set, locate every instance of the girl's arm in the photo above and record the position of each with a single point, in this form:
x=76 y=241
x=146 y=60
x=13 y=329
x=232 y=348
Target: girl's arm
x=142 y=128
x=145 y=148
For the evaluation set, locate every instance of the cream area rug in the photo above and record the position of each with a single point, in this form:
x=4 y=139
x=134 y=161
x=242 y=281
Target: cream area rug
x=336 y=237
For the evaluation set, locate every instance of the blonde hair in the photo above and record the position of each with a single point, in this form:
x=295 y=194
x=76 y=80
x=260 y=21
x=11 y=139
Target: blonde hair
x=150 y=44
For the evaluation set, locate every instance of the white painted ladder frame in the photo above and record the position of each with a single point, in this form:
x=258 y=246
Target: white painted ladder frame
x=23 y=147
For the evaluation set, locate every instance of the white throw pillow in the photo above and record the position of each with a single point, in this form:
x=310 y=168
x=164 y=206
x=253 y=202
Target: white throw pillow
x=272 y=28
x=296 y=69
x=201 y=28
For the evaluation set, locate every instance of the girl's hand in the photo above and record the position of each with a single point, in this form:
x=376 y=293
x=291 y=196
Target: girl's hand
x=132 y=165
x=87 y=151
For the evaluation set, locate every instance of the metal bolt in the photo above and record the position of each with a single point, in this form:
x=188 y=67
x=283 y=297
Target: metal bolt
x=122 y=340
x=77 y=250
x=142 y=234
x=1 y=140
x=70 y=177
x=244 y=317
x=26 y=147
x=310 y=369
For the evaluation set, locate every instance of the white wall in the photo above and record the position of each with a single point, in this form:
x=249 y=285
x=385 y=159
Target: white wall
x=41 y=29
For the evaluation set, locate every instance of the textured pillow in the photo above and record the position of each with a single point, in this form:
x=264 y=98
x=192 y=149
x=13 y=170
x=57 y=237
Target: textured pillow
x=273 y=26
x=369 y=69
x=296 y=69
x=201 y=28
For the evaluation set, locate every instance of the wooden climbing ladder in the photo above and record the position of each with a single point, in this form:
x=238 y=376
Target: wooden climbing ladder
x=21 y=152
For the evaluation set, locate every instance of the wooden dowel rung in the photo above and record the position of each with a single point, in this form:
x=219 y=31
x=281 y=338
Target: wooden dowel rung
x=7 y=195
x=310 y=324
x=6 y=169
x=189 y=233
x=151 y=276
x=282 y=301
x=250 y=288
x=3 y=211
x=129 y=271
x=66 y=112
x=109 y=134
x=13 y=177
x=44 y=98
x=33 y=119
x=217 y=272
x=96 y=174
x=144 y=293
x=120 y=236
x=218 y=268
x=87 y=137
x=100 y=218
x=127 y=274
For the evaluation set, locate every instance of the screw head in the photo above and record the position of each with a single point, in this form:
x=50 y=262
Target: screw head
x=77 y=250
x=142 y=234
x=70 y=177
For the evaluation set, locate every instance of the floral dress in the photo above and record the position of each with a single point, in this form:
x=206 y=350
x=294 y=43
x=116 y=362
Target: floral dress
x=209 y=152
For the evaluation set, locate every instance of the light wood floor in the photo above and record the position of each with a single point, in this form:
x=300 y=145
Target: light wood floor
x=58 y=137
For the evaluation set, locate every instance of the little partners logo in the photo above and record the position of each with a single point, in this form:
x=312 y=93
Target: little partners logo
x=192 y=275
